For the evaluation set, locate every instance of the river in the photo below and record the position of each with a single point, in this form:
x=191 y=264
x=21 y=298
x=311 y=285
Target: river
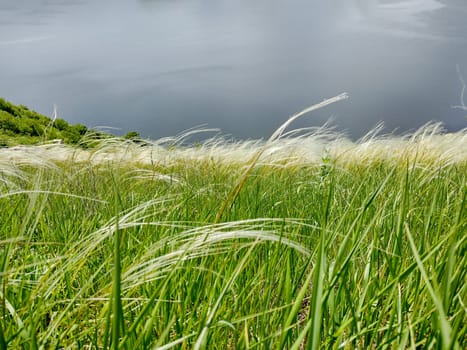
x=163 y=66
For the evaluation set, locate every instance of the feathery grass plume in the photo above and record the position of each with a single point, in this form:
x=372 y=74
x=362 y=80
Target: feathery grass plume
x=462 y=106
x=232 y=196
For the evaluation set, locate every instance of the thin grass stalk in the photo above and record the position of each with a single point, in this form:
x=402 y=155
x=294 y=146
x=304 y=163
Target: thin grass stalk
x=117 y=309
x=297 y=305
x=316 y=305
x=174 y=343
x=445 y=328
x=145 y=310
x=202 y=338
x=3 y=344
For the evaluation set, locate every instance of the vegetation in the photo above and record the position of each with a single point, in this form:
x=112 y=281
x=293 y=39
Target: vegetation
x=311 y=242
x=132 y=135
x=19 y=125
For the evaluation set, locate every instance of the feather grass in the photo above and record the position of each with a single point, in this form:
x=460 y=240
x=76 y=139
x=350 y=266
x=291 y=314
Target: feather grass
x=329 y=244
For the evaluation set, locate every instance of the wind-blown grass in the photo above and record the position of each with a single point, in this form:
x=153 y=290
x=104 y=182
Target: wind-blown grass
x=327 y=244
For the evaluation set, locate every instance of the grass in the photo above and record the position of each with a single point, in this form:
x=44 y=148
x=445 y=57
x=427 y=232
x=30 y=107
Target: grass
x=306 y=241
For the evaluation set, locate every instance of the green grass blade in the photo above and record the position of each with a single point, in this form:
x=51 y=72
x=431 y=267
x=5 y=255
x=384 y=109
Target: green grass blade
x=317 y=298
x=445 y=327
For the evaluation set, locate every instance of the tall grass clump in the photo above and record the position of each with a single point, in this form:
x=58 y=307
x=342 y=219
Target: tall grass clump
x=304 y=241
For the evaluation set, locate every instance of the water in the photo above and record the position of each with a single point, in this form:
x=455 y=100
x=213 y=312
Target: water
x=162 y=66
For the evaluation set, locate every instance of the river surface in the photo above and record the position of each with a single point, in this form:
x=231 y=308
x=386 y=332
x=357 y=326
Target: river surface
x=163 y=66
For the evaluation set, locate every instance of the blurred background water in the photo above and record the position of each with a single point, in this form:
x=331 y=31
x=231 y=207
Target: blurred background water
x=162 y=66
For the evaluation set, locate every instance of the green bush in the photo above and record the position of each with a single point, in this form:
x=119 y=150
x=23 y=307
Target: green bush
x=61 y=124
x=132 y=135
x=23 y=126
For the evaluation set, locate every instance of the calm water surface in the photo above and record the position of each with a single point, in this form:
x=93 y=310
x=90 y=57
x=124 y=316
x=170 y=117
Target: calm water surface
x=163 y=66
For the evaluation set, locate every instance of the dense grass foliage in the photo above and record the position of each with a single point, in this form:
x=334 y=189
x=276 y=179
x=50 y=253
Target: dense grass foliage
x=348 y=251
x=21 y=126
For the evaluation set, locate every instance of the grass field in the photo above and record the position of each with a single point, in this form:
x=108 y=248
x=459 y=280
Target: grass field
x=299 y=242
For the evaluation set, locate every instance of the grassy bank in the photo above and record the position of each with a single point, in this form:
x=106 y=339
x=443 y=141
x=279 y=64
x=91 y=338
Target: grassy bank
x=306 y=242
x=21 y=126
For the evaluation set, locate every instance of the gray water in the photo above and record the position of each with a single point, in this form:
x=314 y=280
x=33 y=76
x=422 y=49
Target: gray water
x=162 y=66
